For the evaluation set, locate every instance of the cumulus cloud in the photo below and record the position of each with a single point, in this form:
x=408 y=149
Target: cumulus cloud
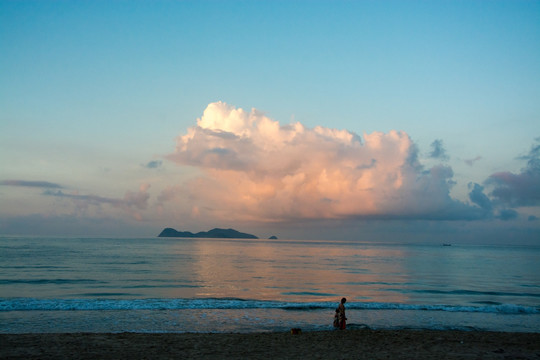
x=35 y=184
x=254 y=168
x=438 y=151
x=523 y=189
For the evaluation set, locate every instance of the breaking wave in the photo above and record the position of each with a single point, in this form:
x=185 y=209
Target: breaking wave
x=33 y=304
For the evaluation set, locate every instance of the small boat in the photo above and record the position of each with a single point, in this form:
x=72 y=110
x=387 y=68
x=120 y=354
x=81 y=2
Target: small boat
x=445 y=244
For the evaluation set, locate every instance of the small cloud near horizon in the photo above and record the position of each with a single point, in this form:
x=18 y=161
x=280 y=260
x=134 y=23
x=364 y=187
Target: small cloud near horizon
x=35 y=184
x=471 y=162
x=438 y=151
x=154 y=164
x=508 y=214
x=131 y=199
x=131 y=202
x=522 y=189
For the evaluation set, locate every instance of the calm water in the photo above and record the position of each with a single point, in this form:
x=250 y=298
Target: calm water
x=216 y=285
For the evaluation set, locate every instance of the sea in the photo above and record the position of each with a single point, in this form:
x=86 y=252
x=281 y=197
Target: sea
x=173 y=285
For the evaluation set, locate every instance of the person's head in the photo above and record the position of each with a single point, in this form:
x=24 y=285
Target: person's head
x=343 y=300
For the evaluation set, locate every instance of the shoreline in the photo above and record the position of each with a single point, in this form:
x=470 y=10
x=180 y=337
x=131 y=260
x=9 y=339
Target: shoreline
x=350 y=344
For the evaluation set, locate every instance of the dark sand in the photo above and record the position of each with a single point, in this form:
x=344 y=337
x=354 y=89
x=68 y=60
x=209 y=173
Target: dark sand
x=348 y=344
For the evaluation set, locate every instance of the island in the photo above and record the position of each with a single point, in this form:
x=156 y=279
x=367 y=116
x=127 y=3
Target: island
x=214 y=233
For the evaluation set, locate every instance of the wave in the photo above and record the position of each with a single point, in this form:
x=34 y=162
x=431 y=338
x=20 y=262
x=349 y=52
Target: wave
x=49 y=281
x=34 y=304
x=467 y=292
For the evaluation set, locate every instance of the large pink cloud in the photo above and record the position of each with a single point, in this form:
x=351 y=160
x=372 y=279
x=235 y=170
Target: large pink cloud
x=254 y=168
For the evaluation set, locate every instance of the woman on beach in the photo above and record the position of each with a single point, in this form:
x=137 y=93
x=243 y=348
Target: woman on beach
x=341 y=314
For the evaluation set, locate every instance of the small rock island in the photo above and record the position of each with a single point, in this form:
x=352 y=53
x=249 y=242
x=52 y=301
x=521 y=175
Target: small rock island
x=214 y=233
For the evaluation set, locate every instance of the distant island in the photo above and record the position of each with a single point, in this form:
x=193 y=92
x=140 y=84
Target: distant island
x=214 y=233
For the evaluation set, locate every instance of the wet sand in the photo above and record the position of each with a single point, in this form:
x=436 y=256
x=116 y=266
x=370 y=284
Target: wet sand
x=348 y=344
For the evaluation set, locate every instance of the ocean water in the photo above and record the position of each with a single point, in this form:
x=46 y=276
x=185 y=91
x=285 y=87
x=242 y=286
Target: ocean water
x=224 y=285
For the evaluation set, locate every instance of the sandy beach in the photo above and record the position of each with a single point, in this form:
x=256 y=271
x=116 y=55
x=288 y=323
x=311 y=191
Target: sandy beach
x=349 y=344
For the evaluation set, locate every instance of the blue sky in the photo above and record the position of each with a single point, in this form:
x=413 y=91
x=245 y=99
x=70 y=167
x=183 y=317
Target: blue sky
x=94 y=97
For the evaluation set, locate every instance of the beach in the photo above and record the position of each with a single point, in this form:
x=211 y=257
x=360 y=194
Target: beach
x=348 y=344
x=211 y=299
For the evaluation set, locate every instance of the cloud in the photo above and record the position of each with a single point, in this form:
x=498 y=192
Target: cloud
x=438 y=151
x=508 y=214
x=478 y=197
x=154 y=164
x=523 y=189
x=471 y=162
x=94 y=199
x=131 y=200
x=36 y=184
x=257 y=169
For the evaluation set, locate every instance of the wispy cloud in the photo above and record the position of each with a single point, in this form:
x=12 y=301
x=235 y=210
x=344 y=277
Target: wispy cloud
x=94 y=199
x=131 y=199
x=471 y=162
x=35 y=184
x=257 y=169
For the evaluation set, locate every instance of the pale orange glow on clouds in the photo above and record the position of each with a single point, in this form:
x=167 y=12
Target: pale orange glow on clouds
x=358 y=132
x=255 y=169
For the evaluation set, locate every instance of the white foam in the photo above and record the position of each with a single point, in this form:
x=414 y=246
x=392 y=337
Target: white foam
x=33 y=304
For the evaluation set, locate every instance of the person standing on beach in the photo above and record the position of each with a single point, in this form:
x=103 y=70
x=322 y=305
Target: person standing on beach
x=341 y=314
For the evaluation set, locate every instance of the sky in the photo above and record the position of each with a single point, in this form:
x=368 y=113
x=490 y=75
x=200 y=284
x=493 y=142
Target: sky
x=360 y=120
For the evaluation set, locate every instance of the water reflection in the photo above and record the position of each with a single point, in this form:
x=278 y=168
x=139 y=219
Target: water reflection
x=278 y=270
x=326 y=271
x=448 y=275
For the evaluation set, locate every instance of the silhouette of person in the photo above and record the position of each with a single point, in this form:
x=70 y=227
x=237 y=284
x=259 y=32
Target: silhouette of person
x=342 y=319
